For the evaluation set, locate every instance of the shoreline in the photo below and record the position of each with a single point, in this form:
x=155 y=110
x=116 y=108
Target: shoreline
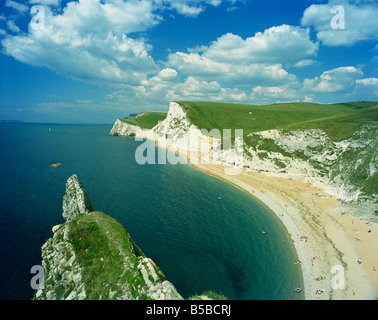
x=308 y=211
x=335 y=241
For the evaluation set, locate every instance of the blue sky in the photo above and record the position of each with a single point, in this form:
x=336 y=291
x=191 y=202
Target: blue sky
x=94 y=61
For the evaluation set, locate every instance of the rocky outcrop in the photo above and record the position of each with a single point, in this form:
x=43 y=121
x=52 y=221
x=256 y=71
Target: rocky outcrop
x=63 y=273
x=345 y=169
x=55 y=165
x=91 y=256
x=76 y=200
x=121 y=128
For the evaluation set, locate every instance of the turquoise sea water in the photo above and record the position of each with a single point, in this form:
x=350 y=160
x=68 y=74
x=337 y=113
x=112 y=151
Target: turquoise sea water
x=173 y=213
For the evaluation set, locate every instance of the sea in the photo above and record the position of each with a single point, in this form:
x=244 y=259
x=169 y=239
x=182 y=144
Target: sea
x=203 y=233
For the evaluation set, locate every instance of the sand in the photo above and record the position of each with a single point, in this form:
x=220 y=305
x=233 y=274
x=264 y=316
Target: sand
x=335 y=241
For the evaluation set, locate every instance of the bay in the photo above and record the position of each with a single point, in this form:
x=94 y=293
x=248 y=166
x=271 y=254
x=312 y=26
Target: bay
x=202 y=232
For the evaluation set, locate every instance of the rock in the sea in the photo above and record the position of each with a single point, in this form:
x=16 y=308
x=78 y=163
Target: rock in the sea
x=55 y=165
x=75 y=200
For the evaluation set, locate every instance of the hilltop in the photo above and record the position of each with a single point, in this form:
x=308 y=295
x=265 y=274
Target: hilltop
x=146 y=120
x=289 y=116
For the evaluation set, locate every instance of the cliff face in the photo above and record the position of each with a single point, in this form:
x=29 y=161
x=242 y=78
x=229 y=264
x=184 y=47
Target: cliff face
x=121 y=128
x=75 y=200
x=91 y=256
x=346 y=169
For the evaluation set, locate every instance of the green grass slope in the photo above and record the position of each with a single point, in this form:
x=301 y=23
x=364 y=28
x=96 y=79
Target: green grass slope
x=101 y=244
x=103 y=259
x=340 y=127
x=338 y=120
x=146 y=120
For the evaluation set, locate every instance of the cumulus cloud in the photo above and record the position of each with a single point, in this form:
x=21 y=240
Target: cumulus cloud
x=254 y=61
x=96 y=41
x=367 y=88
x=360 y=22
x=201 y=66
x=275 y=45
x=88 y=42
x=166 y=86
x=335 y=80
x=277 y=93
x=196 y=89
x=347 y=82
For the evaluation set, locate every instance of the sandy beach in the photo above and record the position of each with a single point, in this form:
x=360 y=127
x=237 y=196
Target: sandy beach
x=338 y=253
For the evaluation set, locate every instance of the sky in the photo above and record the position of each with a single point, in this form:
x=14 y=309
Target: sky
x=93 y=61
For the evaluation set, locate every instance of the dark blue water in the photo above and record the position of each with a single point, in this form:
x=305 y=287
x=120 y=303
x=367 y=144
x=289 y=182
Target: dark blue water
x=171 y=211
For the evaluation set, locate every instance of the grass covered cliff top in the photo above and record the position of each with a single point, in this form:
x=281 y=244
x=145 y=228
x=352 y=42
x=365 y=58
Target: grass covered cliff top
x=105 y=261
x=146 y=120
x=101 y=245
x=339 y=120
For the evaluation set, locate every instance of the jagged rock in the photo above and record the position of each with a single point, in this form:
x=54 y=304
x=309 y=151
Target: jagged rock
x=76 y=200
x=91 y=256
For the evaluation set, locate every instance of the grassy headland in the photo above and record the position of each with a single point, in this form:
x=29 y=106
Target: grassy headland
x=146 y=120
x=339 y=120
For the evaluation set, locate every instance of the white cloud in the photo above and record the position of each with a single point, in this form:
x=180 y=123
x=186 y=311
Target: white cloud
x=16 y=5
x=367 y=82
x=12 y=26
x=253 y=62
x=166 y=86
x=99 y=17
x=366 y=89
x=305 y=63
x=196 y=89
x=158 y=86
x=87 y=42
x=335 y=80
x=347 y=82
x=236 y=74
x=280 y=93
x=360 y=22
x=275 y=45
